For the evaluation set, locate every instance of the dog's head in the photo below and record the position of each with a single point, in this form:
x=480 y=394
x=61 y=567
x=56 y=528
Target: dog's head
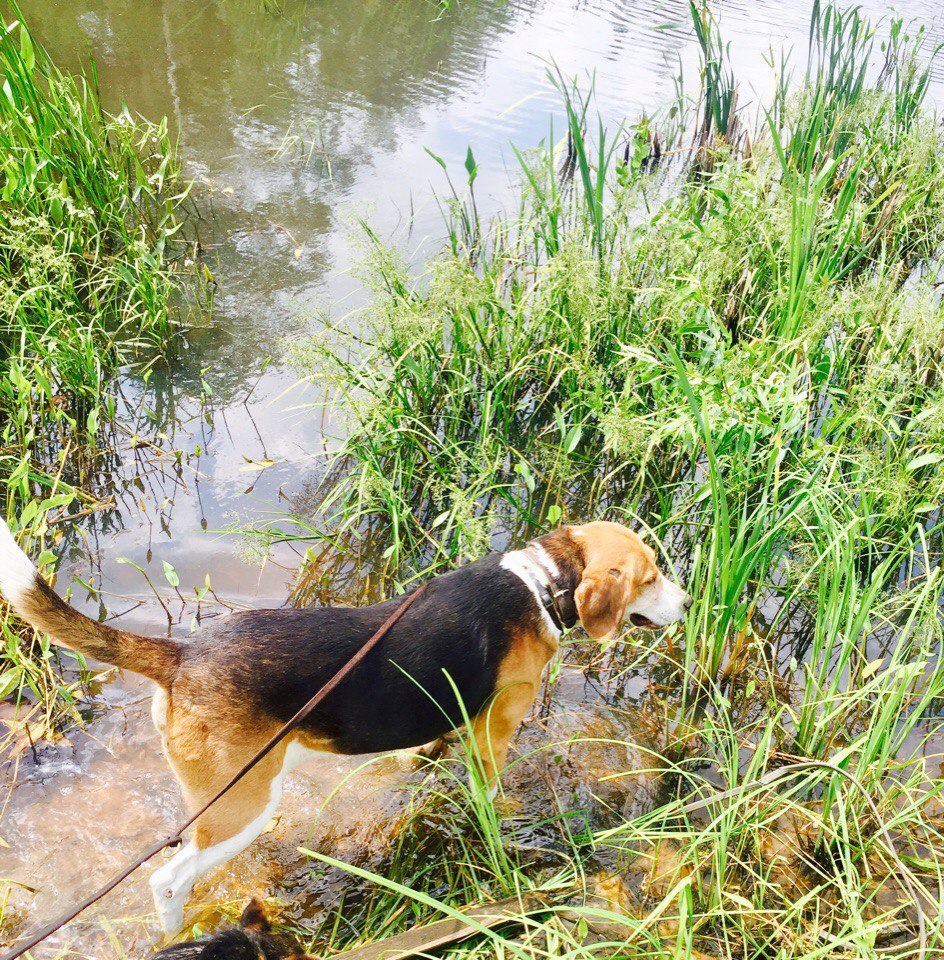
x=253 y=939
x=620 y=578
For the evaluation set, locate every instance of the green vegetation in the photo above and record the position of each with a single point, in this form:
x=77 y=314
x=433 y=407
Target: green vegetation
x=742 y=353
x=87 y=209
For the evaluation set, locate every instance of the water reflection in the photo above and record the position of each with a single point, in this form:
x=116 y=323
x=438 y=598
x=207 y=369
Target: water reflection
x=294 y=123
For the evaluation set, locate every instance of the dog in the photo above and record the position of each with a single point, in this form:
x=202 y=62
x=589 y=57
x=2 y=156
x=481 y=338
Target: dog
x=477 y=640
x=253 y=939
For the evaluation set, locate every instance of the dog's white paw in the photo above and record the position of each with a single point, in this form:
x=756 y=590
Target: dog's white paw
x=170 y=912
x=169 y=898
x=428 y=752
x=476 y=786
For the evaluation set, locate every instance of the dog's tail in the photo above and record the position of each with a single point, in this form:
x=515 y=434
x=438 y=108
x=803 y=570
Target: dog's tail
x=36 y=602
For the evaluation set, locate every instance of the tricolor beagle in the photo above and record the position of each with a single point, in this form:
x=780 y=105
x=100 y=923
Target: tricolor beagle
x=486 y=630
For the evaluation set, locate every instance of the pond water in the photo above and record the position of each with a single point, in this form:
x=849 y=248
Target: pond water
x=295 y=122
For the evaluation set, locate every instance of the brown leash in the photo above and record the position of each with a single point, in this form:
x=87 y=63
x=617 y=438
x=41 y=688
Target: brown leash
x=177 y=837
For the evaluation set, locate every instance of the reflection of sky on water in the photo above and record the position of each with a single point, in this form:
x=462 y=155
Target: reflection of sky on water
x=293 y=126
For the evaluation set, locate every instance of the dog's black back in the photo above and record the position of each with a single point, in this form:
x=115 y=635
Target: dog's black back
x=402 y=694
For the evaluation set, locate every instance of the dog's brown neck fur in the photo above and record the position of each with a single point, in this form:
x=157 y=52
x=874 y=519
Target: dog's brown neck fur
x=565 y=550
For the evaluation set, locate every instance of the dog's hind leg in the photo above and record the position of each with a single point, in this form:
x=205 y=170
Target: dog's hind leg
x=434 y=750
x=226 y=829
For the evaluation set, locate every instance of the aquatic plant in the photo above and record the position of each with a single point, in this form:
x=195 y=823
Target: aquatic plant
x=741 y=352
x=88 y=210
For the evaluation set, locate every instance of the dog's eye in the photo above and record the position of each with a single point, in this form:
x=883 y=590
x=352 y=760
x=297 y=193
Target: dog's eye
x=616 y=573
x=649 y=581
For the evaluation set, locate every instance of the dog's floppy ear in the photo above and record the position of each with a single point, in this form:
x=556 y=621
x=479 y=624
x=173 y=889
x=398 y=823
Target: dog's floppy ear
x=254 y=917
x=601 y=599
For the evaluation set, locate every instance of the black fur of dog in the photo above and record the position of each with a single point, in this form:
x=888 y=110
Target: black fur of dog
x=253 y=939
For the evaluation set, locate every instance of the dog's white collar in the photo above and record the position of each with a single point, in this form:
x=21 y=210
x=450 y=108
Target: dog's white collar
x=534 y=568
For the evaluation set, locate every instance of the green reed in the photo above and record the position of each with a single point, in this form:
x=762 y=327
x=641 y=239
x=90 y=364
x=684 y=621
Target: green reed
x=741 y=351
x=88 y=216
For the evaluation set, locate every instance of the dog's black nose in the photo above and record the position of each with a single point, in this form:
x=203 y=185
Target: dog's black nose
x=689 y=600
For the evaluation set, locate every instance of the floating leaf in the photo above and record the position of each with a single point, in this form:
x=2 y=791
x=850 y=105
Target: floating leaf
x=257 y=464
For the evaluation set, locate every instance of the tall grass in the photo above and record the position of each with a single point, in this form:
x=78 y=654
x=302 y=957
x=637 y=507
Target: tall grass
x=88 y=211
x=750 y=366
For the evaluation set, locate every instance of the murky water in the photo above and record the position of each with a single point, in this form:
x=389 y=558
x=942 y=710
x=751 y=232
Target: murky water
x=295 y=124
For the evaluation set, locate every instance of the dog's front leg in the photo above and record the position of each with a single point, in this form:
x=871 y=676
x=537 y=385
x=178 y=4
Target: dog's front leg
x=171 y=885
x=495 y=725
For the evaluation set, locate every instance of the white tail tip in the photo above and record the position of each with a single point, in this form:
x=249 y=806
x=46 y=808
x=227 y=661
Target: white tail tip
x=17 y=573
